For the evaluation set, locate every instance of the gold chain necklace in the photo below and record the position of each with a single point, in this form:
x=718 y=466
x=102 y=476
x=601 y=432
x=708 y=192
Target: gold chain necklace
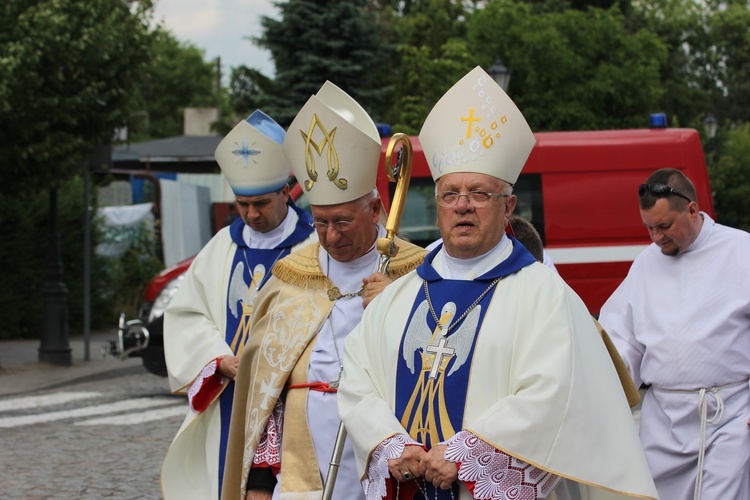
x=335 y=294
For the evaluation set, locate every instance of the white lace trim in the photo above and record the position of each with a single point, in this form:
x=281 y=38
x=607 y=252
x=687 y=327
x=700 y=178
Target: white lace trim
x=269 y=447
x=208 y=371
x=374 y=482
x=497 y=475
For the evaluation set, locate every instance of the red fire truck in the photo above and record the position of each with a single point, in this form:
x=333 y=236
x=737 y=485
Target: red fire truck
x=579 y=189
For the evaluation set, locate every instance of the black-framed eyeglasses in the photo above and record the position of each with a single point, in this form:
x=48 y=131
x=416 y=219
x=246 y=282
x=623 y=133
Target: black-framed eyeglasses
x=660 y=191
x=449 y=199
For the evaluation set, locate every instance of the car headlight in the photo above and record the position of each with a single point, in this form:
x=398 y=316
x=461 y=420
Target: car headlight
x=164 y=298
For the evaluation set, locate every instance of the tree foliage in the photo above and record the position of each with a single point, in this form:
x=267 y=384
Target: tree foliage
x=730 y=37
x=67 y=69
x=315 y=41
x=248 y=90
x=572 y=69
x=685 y=74
x=177 y=77
x=730 y=178
x=432 y=55
x=24 y=258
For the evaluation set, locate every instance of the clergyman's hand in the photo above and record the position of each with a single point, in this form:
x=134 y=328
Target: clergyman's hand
x=258 y=495
x=436 y=469
x=374 y=284
x=406 y=467
x=228 y=366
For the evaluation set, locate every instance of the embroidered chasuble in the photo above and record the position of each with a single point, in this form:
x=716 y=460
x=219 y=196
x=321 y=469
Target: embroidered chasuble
x=433 y=367
x=251 y=268
x=212 y=311
x=521 y=370
x=288 y=315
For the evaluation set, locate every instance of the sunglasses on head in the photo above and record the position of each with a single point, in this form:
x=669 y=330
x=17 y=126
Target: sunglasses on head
x=660 y=191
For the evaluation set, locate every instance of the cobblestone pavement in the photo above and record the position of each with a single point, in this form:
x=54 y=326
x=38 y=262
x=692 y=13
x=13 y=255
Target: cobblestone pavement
x=102 y=435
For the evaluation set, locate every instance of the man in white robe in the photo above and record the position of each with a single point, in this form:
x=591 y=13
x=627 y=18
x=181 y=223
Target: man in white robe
x=207 y=323
x=481 y=375
x=681 y=321
x=284 y=421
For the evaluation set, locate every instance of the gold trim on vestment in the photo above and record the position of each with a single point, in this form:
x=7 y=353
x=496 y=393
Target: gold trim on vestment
x=288 y=312
x=303 y=270
x=301 y=472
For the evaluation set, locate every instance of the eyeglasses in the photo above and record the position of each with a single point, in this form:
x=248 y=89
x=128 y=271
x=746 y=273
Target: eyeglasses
x=449 y=199
x=660 y=191
x=339 y=225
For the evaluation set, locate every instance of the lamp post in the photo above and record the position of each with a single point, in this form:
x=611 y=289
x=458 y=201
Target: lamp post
x=500 y=73
x=55 y=348
x=710 y=123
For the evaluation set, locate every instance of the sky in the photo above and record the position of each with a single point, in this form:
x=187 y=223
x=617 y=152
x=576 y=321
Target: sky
x=217 y=27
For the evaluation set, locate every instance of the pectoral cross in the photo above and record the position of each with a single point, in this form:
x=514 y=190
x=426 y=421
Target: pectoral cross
x=440 y=350
x=334 y=384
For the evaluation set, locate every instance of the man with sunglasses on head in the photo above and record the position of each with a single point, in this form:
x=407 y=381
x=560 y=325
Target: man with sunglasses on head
x=284 y=421
x=480 y=375
x=681 y=322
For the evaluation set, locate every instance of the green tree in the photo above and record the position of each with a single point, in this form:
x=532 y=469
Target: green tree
x=685 y=73
x=248 y=90
x=23 y=257
x=730 y=36
x=315 y=41
x=572 y=69
x=67 y=69
x=177 y=77
x=432 y=55
x=730 y=178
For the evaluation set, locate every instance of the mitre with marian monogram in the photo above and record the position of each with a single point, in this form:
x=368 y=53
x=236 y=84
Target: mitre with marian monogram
x=476 y=128
x=252 y=158
x=334 y=148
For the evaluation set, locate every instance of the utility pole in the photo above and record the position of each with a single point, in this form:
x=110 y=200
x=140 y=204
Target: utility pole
x=217 y=95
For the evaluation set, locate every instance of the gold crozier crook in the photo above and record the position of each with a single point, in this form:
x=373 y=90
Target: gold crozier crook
x=400 y=173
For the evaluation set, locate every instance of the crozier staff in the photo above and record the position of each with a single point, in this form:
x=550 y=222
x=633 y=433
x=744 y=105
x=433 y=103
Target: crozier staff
x=284 y=421
x=480 y=374
x=400 y=173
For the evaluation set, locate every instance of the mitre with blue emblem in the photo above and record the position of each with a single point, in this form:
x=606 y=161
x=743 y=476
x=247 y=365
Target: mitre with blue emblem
x=252 y=158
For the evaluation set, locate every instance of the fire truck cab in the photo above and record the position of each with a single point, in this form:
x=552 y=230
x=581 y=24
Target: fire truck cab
x=579 y=189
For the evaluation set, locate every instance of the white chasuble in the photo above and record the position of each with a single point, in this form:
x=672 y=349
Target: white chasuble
x=524 y=371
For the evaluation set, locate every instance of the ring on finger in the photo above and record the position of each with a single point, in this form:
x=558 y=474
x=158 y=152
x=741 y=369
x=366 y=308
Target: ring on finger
x=408 y=475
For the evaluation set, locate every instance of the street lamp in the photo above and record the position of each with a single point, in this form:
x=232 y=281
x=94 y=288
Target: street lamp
x=500 y=74
x=710 y=124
